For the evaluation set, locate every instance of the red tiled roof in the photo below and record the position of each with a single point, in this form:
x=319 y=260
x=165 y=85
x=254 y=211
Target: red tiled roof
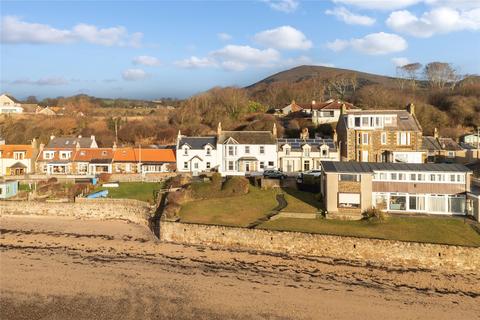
x=155 y=155
x=8 y=149
x=124 y=155
x=87 y=155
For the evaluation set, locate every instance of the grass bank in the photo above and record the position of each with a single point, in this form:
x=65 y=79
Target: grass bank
x=143 y=191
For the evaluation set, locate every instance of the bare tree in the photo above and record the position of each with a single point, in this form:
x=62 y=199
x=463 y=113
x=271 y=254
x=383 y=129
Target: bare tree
x=411 y=70
x=342 y=84
x=441 y=74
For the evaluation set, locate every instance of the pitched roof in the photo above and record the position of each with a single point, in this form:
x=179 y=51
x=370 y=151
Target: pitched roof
x=7 y=150
x=248 y=137
x=333 y=105
x=437 y=144
x=198 y=142
x=11 y=98
x=56 y=155
x=296 y=144
x=370 y=167
x=124 y=155
x=155 y=155
x=93 y=155
x=70 y=142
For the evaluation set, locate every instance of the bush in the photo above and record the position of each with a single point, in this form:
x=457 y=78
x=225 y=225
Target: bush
x=216 y=181
x=373 y=214
x=178 y=181
x=235 y=186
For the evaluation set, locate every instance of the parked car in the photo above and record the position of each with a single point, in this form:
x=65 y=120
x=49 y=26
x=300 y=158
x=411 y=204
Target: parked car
x=274 y=174
x=299 y=177
x=315 y=173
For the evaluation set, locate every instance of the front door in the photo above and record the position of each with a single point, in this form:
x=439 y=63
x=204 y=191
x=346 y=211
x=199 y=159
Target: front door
x=364 y=156
x=247 y=166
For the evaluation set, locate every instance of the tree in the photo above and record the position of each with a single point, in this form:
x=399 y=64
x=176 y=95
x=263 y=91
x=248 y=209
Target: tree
x=411 y=71
x=440 y=74
x=31 y=99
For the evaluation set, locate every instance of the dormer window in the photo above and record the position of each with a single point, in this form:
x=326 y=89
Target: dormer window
x=324 y=151
x=306 y=151
x=208 y=151
x=19 y=155
x=287 y=151
x=185 y=151
x=48 y=154
x=64 y=155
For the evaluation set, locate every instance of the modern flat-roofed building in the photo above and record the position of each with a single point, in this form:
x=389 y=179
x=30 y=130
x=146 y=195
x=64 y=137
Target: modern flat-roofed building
x=349 y=188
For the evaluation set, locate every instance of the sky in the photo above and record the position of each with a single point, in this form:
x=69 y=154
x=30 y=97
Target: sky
x=153 y=49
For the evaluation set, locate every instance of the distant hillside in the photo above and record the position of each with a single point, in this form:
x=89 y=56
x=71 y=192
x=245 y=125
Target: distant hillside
x=302 y=73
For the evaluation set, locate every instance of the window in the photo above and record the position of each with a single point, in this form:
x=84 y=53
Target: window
x=306 y=165
x=262 y=150
x=364 y=138
x=324 y=152
x=393 y=176
x=357 y=121
x=349 y=177
x=364 y=121
x=19 y=155
x=195 y=165
x=270 y=163
x=64 y=155
x=388 y=120
x=306 y=152
x=402 y=176
x=383 y=138
x=383 y=176
x=416 y=203
x=413 y=177
x=452 y=178
x=48 y=154
x=262 y=164
x=456 y=204
x=403 y=138
x=185 y=165
x=231 y=166
x=185 y=151
x=287 y=151
x=437 y=203
x=398 y=202
x=421 y=177
x=247 y=149
x=209 y=151
x=230 y=151
x=451 y=154
x=348 y=200
x=460 y=178
x=432 y=177
x=208 y=165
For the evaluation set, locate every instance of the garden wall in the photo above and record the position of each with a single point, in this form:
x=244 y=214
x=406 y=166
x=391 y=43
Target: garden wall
x=132 y=210
x=387 y=253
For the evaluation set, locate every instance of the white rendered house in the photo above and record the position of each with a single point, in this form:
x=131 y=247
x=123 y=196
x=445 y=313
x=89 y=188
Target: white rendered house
x=196 y=154
x=9 y=104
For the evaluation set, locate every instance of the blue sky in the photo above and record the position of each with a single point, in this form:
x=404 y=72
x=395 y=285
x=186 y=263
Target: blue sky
x=151 y=49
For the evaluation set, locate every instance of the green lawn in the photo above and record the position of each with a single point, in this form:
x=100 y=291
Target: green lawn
x=300 y=201
x=237 y=211
x=421 y=229
x=24 y=187
x=142 y=191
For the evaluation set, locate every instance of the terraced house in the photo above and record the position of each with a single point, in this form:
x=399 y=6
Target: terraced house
x=380 y=136
x=349 y=188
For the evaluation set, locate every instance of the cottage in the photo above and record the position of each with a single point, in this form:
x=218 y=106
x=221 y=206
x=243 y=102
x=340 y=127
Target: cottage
x=441 y=149
x=155 y=160
x=380 y=136
x=19 y=159
x=349 y=188
x=329 y=111
x=92 y=161
x=196 y=154
x=124 y=160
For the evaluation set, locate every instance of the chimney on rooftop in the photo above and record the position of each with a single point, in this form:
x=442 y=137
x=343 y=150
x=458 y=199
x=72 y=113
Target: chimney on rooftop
x=435 y=133
x=219 y=128
x=92 y=137
x=52 y=137
x=411 y=109
x=343 y=109
x=114 y=146
x=274 y=130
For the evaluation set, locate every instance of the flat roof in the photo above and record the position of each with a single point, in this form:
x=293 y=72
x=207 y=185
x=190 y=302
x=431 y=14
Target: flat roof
x=370 y=167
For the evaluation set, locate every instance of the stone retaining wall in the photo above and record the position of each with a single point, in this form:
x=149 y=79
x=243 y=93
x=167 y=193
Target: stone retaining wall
x=387 y=253
x=132 y=210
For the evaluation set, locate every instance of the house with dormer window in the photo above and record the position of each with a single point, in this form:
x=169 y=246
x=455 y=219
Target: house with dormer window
x=245 y=152
x=17 y=159
x=196 y=154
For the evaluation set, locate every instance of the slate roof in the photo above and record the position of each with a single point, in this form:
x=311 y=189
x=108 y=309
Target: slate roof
x=69 y=142
x=436 y=144
x=248 y=137
x=198 y=142
x=370 y=167
x=404 y=122
x=296 y=144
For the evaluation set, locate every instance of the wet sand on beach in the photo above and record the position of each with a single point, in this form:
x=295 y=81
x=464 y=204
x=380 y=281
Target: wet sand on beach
x=66 y=268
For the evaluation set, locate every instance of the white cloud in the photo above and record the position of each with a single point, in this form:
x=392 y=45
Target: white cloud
x=224 y=36
x=400 y=61
x=14 y=30
x=437 y=21
x=146 y=61
x=235 y=57
x=379 y=4
x=373 y=44
x=194 y=62
x=47 y=81
x=286 y=6
x=349 y=17
x=285 y=37
x=134 y=74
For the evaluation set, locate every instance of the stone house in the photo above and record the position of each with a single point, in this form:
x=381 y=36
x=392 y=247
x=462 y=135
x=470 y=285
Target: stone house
x=380 y=136
x=349 y=188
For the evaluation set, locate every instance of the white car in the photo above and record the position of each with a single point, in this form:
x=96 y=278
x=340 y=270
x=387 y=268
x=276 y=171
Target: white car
x=315 y=173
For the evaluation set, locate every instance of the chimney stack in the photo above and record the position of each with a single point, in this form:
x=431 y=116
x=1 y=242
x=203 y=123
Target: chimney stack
x=219 y=128
x=435 y=133
x=114 y=146
x=411 y=109
x=92 y=137
x=52 y=137
x=34 y=143
x=343 y=109
x=274 y=130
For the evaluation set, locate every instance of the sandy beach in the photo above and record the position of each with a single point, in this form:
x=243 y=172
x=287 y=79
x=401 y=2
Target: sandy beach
x=66 y=268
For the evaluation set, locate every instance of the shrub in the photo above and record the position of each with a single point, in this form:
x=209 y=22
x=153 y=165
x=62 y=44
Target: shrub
x=373 y=214
x=204 y=190
x=216 y=181
x=178 y=181
x=235 y=186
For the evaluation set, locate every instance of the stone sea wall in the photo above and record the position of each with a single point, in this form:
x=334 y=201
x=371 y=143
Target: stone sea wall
x=386 y=253
x=132 y=210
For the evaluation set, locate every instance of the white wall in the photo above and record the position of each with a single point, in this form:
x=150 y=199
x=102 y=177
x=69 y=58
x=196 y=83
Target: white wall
x=270 y=155
x=202 y=164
